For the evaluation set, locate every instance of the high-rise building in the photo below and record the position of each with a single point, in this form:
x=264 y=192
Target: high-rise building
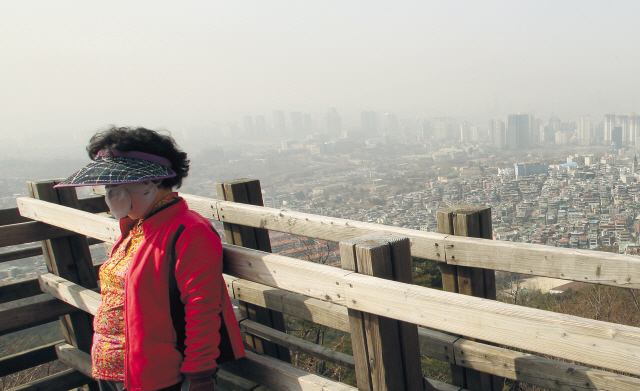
x=297 y=124
x=369 y=120
x=518 y=134
x=609 y=124
x=279 y=125
x=249 y=129
x=634 y=129
x=497 y=133
x=616 y=137
x=261 y=125
x=333 y=122
x=444 y=128
x=391 y=123
x=584 y=130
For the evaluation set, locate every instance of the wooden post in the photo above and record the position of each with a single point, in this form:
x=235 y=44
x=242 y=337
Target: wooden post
x=248 y=191
x=471 y=221
x=386 y=351
x=69 y=257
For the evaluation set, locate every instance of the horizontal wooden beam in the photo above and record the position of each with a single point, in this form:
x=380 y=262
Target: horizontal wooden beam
x=64 y=380
x=592 y=342
x=11 y=235
x=32 y=251
x=423 y=244
x=73 y=294
x=85 y=223
x=30 y=315
x=569 y=264
x=20 y=253
x=93 y=204
x=20 y=290
x=278 y=375
x=28 y=359
x=596 y=343
x=485 y=358
x=297 y=344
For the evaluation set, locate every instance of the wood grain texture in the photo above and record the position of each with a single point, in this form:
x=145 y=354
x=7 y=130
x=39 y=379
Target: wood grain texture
x=297 y=344
x=69 y=258
x=281 y=376
x=65 y=380
x=11 y=235
x=248 y=191
x=81 y=361
x=19 y=290
x=392 y=347
x=70 y=293
x=95 y=226
x=498 y=361
x=602 y=344
x=322 y=227
x=28 y=358
x=30 y=315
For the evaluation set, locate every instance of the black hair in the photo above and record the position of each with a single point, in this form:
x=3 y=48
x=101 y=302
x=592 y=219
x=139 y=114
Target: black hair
x=127 y=139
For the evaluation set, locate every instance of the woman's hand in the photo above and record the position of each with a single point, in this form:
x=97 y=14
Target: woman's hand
x=202 y=384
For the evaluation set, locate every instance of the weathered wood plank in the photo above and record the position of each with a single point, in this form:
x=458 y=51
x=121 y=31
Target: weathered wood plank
x=438 y=345
x=95 y=226
x=32 y=251
x=74 y=358
x=207 y=207
x=64 y=380
x=20 y=253
x=19 y=290
x=490 y=359
x=323 y=227
x=597 y=343
x=294 y=304
x=28 y=359
x=31 y=315
x=70 y=259
x=540 y=371
x=307 y=278
x=81 y=362
x=278 y=375
x=248 y=191
x=73 y=294
x=11 y=235
x=570 y=264
x=297 y=344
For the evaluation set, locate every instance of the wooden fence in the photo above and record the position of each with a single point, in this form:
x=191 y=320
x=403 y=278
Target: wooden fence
x=470 y=332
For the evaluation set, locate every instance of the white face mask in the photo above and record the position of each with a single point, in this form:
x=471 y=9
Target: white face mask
x=131 y=199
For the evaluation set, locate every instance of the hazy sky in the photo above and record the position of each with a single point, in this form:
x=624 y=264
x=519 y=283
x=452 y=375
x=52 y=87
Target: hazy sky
x=80 y=65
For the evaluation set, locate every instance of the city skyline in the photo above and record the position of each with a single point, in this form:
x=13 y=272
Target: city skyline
x=72 y=67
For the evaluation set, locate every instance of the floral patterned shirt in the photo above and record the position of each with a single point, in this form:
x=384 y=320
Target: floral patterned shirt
x=108 y=350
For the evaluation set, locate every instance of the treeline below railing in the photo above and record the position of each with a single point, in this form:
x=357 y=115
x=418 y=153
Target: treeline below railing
x=325 y=295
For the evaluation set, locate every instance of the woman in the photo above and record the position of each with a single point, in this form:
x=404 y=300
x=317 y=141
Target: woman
x=165 y=312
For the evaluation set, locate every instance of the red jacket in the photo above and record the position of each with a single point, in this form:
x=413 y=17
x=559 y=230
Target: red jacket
x=179 y=319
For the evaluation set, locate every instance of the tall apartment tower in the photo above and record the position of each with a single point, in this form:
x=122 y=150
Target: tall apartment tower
x=279 y=125
x=249 y=129
x=444 y=128
x=518 y=134
x=369 y=120
x=584 y=130
x=333 y=123
x=261 y=126
x=497 y=133
x=297 y=124
x=634 y=129
x=609 y=124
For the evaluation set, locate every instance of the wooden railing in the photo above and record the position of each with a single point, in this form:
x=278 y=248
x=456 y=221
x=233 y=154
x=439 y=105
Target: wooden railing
x=325 y=295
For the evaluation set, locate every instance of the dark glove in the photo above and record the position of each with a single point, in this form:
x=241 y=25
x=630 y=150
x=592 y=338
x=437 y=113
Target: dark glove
x=201 y=383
